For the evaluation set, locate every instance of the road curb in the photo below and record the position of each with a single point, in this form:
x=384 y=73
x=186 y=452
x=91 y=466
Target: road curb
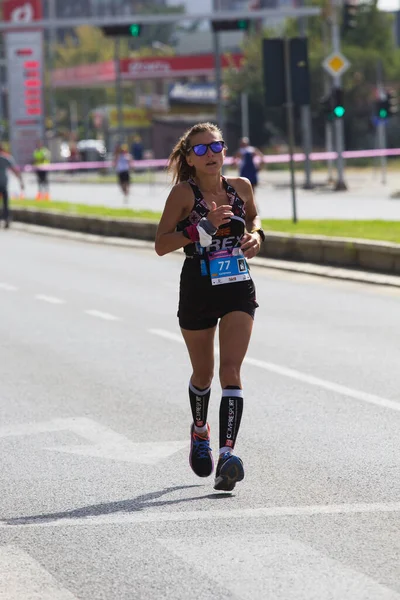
x=340 y=258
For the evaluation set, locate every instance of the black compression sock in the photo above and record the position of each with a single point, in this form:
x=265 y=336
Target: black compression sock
x=230 y=416
x=199 y=400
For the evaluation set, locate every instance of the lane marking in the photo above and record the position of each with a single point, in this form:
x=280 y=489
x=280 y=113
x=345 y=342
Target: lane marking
x=303 y=377
x=275 y=566
x=140 y=516
x=49 y=299
x=24 y=577
x=102 y=442
x=102 y=315
x=7 y=287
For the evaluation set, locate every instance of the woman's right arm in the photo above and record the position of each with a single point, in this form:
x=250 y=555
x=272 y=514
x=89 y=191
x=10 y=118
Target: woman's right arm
x=178 y=205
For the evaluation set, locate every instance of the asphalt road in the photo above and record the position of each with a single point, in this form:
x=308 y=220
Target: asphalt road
x=98 y=500
x=367 y=197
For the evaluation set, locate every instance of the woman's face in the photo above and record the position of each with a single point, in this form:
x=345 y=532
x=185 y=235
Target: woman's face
x=211 y=162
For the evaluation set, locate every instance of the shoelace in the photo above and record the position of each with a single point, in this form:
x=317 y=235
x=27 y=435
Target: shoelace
x=202 y=448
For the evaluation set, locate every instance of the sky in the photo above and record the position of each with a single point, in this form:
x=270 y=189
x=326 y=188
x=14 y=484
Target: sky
x=389 y=4
x=195 y=6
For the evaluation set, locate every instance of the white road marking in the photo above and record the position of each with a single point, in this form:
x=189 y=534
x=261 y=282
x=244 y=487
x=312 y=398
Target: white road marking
x=104 y=442
x=49 y=299
x=275 y=566
x=23 y=577
x=152 y=516
x=304 y=377
x=102 y=315
x=7 y=287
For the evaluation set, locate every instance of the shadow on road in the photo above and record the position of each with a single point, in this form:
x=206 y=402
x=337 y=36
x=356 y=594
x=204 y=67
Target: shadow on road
x=137 y=504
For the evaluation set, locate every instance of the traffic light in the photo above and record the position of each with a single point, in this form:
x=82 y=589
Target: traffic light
x=338 y=103
x=392 y=103
x=332 y=105
x=349 y=18
x=132 y=30
x=234 y=25
x=386 y=106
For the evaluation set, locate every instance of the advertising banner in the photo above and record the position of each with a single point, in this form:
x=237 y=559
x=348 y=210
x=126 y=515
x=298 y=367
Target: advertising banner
x=24 y=60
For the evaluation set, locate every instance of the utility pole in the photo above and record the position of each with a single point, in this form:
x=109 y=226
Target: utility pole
x=52 y=38
x=327 y=91
x=306 y=121
x=244 y=102
x=118 y=87
x=339 y=130
x=381 y=123
x=290 y=120
x=218 y=72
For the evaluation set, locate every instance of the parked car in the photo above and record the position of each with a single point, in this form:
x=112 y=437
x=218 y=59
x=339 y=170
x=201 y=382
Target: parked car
x=92 y=150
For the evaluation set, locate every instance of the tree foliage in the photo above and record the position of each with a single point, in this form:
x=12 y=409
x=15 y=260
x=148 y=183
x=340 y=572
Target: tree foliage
x=369 y=44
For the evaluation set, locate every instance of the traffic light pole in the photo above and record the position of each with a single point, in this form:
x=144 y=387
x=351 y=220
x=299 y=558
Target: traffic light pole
x=306 y=122
x=118 y=88
x=327 y=91
x=381 y=125
x=218 y=72
x=290 y=120
x=52 y=39
x=339 y=130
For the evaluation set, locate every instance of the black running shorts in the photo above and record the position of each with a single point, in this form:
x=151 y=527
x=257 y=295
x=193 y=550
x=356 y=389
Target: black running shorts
x=124 y=177
x=202 y=304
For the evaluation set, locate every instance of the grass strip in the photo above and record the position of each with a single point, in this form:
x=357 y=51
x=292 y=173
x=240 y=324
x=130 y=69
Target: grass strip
x=388 y=231
x=87 y=209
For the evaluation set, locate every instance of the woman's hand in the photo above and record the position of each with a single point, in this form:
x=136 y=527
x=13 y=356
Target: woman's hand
x=250 y=244
x=220 y=215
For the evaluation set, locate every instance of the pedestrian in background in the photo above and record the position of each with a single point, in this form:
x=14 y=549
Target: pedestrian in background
x=248 y=167
x=214 y=219
x=41 y=158
x=7 y=162
x=137 y=148
x=122 y=165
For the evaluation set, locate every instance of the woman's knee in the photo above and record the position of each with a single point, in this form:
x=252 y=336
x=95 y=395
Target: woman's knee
x=229 y=374
x=202 y=378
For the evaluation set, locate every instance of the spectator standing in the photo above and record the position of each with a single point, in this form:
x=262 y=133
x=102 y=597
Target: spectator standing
x=137 y=148
x=41 y=158
x=7 y=162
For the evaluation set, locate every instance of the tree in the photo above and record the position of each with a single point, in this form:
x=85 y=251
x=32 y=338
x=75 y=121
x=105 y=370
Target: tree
x=371 y=41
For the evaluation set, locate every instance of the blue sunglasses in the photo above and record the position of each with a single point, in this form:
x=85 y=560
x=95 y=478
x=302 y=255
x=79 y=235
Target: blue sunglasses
x=201 y=149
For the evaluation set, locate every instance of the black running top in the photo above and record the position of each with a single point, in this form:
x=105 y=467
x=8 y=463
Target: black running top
x=227 y=235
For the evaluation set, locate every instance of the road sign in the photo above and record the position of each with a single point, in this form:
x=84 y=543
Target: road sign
x=336 y=64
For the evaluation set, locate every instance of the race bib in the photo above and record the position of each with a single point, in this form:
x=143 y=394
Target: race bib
x=228 y=267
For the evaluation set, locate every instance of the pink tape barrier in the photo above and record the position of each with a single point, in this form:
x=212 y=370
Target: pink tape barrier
x=162 y=162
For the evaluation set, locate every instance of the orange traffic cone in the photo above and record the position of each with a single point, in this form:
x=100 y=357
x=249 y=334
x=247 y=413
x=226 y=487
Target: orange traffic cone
x=38 y=196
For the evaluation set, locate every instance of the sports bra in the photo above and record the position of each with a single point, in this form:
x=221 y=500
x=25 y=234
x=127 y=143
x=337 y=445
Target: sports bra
x=228 y=234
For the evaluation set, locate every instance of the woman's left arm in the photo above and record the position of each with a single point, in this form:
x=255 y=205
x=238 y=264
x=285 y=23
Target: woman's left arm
x=251 y=241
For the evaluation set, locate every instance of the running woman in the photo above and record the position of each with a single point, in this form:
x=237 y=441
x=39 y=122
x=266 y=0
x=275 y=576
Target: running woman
x=215 y=221
x=122 y=163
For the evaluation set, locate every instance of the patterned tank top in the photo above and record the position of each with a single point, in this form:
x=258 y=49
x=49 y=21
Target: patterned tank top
x=227 y=235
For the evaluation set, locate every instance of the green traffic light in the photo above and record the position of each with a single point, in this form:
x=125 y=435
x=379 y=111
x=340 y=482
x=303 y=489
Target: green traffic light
x=242 y=24
x=339 y=111
x=383 y=113
x=135 y=30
